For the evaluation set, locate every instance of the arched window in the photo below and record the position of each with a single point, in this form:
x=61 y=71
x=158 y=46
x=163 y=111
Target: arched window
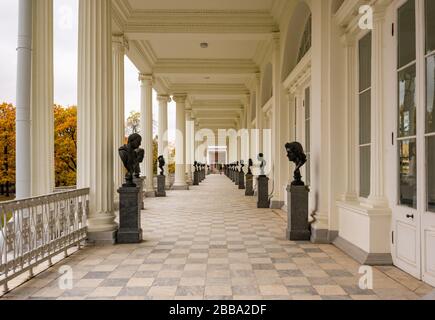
x=306 y=40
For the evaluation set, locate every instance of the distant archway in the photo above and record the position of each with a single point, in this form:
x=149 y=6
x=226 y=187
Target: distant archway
x=298 y=31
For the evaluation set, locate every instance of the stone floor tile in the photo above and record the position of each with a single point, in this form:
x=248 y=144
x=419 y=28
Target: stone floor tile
x=197 y=246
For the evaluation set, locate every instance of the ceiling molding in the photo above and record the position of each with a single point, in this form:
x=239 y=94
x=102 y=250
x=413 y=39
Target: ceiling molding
x=121 y=11
x=164 y=67
x=209 y=89
x=142 y=22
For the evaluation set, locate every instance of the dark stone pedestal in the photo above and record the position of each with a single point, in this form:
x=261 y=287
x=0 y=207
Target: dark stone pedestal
x=161 y=183
x=196 y=178
x=298 y=228
x=241 y=180
x=129 y=215
x=139 y=182
x=249 y=191
x=263 y=192
x=236 y=177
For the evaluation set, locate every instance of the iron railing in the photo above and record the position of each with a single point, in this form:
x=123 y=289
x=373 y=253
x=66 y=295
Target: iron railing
x=35 y=230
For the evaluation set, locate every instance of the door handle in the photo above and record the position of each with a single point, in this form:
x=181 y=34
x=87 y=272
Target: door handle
x=410 y=216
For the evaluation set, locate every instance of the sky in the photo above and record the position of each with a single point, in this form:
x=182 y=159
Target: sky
x=65 y=60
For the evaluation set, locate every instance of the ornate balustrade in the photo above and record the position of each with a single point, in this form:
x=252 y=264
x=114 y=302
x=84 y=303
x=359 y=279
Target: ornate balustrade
x=35 y=230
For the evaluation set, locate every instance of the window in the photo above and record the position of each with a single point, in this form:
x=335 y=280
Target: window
x=307 y=104
x=306 y=40
x=407 y=125
x=430 y=102
x=365 y=95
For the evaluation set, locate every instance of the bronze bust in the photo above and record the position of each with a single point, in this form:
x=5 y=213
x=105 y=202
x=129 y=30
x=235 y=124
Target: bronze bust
x=130 y=156
x=295 y=154
x=140 y=154
x=250 y=164
x=162 y=164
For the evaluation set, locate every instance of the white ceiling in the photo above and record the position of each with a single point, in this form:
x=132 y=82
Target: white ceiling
x=165 y=37
x=190 y=48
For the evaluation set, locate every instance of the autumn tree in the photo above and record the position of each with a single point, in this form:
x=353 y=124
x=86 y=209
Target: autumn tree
x=133 y=123
x=7 y=143
x=65 y=145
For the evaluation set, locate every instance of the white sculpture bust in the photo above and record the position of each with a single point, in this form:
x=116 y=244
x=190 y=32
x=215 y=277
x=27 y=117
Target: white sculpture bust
x=262 y=164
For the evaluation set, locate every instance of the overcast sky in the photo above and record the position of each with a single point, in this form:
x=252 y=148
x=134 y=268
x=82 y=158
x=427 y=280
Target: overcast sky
x=65 y=59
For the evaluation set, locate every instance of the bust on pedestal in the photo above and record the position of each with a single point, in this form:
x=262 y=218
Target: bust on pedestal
x=249 y=191
x=297 y=195
x=130 y=197
x=263 y=185
x=195 y=174
x=236 y=174
x=241 y=176
x=161 y=178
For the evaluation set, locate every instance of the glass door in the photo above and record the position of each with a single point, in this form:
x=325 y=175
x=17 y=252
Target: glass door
x=428 y=218
x=414 y=215
x=406 y=217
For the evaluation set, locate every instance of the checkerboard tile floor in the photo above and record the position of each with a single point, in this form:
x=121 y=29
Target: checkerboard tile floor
x=213 y=243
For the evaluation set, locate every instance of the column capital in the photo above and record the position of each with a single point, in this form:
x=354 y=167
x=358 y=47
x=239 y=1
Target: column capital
x=120 y=42
x=180 y=98
x=146 y=79
x=348 y=39
x=258 y=77
x=164 y=98
x=276 y=37
x=379 y=10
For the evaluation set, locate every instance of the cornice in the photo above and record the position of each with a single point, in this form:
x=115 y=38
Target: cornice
x=121 y=11
x=209 y=89
x=200 y=21
x=201 y=66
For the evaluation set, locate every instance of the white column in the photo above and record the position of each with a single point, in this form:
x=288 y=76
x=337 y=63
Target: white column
x=279 y=129
x=246 y=129
x=189 y=142
x=146 y=125
x=320 y=124
x=377 y=193
x=95 y=116
x=350 y=92
x=196 y=143
x=259 y=113
x=23 y=91
x=180 y=154
x=163 y=130
x=119 y=47
x=42 y=99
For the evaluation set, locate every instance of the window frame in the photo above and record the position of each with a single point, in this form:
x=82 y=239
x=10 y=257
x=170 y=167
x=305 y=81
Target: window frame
x=356 y=144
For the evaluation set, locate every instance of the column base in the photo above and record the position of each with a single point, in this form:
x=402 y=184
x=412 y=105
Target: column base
x=365 y=233
x=180 y=187
x=129 y=236
x=150 y=194
x=363 y=257
x=101 y=238
x=323 y=236
x=298 y=235
x=276 y=204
